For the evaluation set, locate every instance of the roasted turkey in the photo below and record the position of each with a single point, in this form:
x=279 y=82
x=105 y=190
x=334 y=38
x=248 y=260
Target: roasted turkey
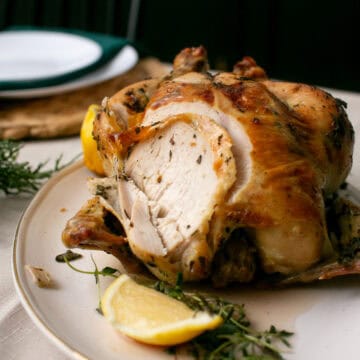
x=219 y=176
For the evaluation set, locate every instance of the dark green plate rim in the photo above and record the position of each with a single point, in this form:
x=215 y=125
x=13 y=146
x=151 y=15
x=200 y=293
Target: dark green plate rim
x=110 y=46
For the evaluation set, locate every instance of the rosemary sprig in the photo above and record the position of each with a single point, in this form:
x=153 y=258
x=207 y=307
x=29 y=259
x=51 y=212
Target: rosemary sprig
x=235 y=339
x=19 y=177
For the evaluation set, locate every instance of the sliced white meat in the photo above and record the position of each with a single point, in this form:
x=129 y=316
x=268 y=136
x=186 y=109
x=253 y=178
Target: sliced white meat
x=241 y=144
x=172 y=183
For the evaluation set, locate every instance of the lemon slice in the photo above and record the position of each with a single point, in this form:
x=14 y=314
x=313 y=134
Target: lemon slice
x=151 y=317
x=92 y=157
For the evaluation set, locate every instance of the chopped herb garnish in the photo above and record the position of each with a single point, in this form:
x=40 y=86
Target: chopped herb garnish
x=70 y=256
x=228 y=159
x=349 y=252
x=101 y=190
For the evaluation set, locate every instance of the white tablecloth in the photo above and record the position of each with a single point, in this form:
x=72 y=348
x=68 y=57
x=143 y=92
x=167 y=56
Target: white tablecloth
x=19 y=337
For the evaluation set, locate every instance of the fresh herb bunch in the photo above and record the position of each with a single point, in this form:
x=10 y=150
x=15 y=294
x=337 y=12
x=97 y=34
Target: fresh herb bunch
x=20 y=177
x=234 y=339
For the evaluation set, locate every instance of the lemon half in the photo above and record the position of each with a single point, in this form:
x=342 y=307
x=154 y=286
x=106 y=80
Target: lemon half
x=151 y=317
x=92 y=157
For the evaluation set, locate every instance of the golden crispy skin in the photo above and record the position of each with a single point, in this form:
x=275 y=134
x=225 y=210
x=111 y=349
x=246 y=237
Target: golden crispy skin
x=291 y=144
x=282 y=198
x=325 y=129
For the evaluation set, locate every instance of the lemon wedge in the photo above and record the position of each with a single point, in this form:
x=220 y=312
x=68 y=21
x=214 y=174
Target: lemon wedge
x=151 y=317
x=92 y=157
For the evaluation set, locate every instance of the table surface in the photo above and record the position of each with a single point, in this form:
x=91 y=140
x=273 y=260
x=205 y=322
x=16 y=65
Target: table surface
x=19 y=337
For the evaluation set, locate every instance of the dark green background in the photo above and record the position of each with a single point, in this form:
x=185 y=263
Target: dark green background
x=309 y=41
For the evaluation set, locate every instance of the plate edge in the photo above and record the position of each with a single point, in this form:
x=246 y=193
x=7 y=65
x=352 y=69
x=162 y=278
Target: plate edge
x=52 y=90
x=47 y=32
x=26 y=303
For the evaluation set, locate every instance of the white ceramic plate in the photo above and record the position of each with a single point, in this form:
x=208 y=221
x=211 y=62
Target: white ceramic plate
x=35 y=55
x=122 y=62
x=324 y=316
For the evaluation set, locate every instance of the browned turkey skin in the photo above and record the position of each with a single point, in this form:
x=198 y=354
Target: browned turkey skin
x=196 y=156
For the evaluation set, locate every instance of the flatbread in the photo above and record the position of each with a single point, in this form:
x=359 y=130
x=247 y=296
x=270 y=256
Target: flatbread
x=62 y=115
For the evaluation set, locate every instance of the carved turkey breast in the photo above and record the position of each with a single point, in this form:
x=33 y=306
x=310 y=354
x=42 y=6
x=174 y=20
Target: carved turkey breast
x=215 y=175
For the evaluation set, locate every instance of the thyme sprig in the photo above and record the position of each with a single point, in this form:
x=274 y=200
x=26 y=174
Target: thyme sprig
x=20 y=177
x=106 y=271
x=235 y=338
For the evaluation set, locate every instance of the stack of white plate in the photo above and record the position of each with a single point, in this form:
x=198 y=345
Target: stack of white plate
x=30 y=56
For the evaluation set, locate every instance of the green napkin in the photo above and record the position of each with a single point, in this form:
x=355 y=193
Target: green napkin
x=110 y=46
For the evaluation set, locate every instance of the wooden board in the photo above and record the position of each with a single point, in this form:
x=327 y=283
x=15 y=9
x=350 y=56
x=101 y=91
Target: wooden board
x=61 y=115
